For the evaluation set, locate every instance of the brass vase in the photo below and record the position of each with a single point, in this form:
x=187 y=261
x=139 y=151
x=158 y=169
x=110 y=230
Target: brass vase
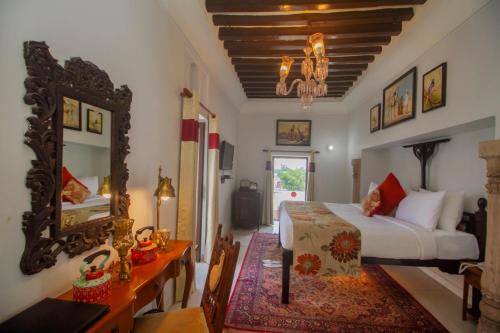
x=122 y=242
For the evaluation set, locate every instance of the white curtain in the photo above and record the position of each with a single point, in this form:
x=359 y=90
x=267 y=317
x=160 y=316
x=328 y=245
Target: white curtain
x=188 y=177
x=267 y=207
x=311 y=169
x=213 y=185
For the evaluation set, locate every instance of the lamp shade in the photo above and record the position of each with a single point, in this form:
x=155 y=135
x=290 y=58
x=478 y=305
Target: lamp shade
x=317 y=45
x=165 y=190
x=286 y=65
x=105 y=189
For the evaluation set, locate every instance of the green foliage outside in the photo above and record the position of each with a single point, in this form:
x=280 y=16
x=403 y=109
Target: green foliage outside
x=293 y=179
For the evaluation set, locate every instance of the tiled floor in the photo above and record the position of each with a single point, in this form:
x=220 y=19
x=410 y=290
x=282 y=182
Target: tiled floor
x=441 y=302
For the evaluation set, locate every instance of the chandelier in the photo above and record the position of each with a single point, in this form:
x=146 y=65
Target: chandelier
x=314 y=84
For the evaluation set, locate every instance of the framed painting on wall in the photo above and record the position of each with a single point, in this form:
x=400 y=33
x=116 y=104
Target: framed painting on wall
x=293 y=132
x=72 y=114
x=399 y=99
x=434 y=88
x=94 y=121
x=375 y=118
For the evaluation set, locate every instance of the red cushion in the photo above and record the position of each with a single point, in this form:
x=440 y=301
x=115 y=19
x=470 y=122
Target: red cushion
x=391 y=193
x=66 y=177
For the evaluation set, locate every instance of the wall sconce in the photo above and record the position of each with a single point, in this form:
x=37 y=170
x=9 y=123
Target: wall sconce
x=163 y=192
x=330 y=147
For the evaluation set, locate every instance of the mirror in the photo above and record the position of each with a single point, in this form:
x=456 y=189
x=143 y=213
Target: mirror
x=86 y=156
x=78 y=177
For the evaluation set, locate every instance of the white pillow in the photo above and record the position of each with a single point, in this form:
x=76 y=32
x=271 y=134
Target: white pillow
x=372 y=187
x=421 y=208
x=92 y=184
x=453 y=209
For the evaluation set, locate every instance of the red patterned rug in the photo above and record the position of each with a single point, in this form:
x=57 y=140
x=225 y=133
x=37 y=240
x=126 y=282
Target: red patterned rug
x=372 y=303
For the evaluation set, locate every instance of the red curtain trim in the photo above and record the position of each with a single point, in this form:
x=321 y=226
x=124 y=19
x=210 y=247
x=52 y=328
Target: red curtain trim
x=190 y=130
x=213 y=140
x=312 y=167
x=268 y=165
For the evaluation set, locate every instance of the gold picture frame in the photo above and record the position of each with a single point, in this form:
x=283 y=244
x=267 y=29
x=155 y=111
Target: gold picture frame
x=293 y=132
x=94 y=121
x=434 y=88
x=72 y=114
x=375 y=118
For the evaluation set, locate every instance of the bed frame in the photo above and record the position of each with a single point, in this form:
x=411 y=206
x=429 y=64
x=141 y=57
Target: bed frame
x=473 y=223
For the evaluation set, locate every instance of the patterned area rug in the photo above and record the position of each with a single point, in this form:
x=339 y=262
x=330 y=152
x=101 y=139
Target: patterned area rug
x=374 y=302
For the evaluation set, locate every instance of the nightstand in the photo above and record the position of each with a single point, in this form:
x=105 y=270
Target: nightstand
x=472 y=278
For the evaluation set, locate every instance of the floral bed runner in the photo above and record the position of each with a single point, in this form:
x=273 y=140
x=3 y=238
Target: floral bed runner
x=323 y=243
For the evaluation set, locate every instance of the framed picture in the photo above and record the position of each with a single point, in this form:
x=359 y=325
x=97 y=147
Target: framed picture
x=293 y=132
x=94 y=121
x=375 y=118
x=399 y=99
x=434 y=88
x=72 y=114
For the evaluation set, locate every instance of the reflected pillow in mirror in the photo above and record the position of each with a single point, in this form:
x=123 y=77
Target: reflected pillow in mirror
x=92 y=184
x=75 y=192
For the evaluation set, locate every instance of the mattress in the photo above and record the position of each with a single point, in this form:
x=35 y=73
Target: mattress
x=95 y=200
x=388 y=237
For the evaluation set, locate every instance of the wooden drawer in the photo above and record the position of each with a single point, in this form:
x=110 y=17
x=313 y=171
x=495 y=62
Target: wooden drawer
x=121 y=323
x=149 y=292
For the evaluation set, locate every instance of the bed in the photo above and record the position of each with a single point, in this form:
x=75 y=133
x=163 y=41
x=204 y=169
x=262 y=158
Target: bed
x=389 y=241
x=93 y=208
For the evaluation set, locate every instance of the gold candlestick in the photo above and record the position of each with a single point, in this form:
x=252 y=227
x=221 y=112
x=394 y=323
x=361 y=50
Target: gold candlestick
x=122 y=242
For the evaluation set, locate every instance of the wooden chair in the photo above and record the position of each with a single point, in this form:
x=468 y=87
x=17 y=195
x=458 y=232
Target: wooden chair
x=209 y=317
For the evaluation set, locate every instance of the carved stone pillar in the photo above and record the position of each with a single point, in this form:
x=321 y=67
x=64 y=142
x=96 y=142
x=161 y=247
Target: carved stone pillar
x=356 y=175
x=490 y=280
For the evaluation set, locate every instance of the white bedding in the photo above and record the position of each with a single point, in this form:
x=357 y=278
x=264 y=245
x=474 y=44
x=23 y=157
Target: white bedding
x=95 y=200
x=388 y=237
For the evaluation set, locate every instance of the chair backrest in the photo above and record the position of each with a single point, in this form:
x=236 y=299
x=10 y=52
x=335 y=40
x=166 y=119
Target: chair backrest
x=214 y=300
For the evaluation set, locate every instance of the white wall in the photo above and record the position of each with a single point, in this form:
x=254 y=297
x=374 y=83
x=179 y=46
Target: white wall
x=138 y=44
x=455 y=165
x=257 y=131
x=471 y=51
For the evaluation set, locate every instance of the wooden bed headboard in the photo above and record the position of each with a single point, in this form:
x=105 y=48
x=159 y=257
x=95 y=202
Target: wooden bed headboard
x=475 y=223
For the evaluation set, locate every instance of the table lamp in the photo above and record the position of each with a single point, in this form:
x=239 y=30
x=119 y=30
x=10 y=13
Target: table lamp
x=163 y=192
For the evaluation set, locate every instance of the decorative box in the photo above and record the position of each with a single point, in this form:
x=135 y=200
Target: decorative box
x=94 y=284
x=146 y=250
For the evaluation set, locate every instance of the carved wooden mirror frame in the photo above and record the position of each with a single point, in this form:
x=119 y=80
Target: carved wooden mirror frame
x=47 y=81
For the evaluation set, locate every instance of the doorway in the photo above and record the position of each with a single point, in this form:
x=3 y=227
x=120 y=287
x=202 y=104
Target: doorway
x=289 y=180
x=201 y=195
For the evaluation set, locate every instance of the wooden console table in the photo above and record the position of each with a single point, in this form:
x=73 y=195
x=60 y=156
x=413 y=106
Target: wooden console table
x=145 y=285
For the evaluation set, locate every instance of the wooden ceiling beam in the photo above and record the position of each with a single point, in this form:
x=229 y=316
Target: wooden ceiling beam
x=251 y=68
x=275 y=74
x=234 y=6
x=389 y=15
x=330 y=44
x=289 y=96
x=350 y=51
x=332 y=84
x=290 y=80
x=270 y=61
x=290 y=33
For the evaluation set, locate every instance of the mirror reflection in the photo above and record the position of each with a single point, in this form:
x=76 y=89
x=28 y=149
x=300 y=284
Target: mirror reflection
x=86 y=188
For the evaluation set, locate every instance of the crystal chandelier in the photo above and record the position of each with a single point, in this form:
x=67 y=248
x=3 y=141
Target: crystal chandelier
x=314 y=84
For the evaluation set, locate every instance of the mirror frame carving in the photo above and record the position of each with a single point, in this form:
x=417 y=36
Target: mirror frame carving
x=45 y=84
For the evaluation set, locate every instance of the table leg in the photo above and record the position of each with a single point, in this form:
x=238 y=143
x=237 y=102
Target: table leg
x=285 y=276
x=465 y=300
x=188 y=264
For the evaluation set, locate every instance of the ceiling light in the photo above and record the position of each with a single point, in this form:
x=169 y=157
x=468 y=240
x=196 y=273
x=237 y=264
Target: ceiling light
x=314 y=84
